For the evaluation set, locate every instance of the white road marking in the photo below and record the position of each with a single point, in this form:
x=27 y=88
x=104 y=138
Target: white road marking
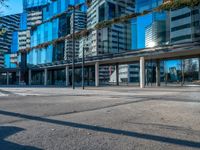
x=27 y=94
x=3 y=95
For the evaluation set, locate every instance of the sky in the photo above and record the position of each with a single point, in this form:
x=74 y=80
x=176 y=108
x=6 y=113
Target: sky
x=15 y=6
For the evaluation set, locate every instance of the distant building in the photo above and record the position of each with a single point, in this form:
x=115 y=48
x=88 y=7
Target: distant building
x=173 y=74
x=8 y=24
x=184 y=25
x=80 y=24
x=155 y=34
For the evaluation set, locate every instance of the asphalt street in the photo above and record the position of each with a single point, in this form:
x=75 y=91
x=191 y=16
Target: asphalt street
x=105 y=118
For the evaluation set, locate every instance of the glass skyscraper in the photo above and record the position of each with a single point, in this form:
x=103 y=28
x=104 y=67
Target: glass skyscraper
x=29 y=4
x=50 y=31
x=9 y=24
x=43 y=22
x=142 y=23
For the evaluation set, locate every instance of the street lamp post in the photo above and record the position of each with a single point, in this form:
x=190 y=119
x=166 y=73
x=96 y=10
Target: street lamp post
x=73 y=50
x=73 y=8
x=83 y=63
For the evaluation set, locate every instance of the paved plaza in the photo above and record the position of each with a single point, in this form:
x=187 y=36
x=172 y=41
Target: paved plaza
x=104 y=118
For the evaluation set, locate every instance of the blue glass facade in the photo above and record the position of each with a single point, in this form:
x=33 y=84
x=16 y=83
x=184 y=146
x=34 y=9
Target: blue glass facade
x=23 y=21
x=7 y=61
x=44 y=33
x=14 y=45
x=50 y=31
x=141 y=23
x=59 y=6
x=34 y=3
x=142 y=5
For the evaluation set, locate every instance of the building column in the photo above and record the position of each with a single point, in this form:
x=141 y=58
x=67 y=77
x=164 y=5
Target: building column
x=29 y=77
x=19 y=77
x=199 y=68
x=117 y=74
x=97 y=74
x=7 y=78
x=182 y=72
x=45 y=76
x=142 y=72
x=158 y=73
x=67 y=75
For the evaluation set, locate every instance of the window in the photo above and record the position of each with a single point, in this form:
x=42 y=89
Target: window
x=181 y=17
x=179 y=38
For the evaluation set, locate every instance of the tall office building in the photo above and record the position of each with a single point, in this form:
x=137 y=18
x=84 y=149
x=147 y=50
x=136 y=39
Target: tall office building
x=34 y=17
x=11 y=58
x=142 y=5
x=155 y=34
x=114 y=39
x=184 y=25
x=29 y=18
x=49 y=31
x=79 y=22
x=30 y=4
x=145 y=34
x=8 y=24
x=24 y=39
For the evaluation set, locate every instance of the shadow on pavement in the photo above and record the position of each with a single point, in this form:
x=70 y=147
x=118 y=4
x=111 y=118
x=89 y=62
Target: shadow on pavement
x=6 y=131
x=133 y=134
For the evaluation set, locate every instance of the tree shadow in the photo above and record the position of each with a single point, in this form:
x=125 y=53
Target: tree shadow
x=133 y=134
x=6 y=131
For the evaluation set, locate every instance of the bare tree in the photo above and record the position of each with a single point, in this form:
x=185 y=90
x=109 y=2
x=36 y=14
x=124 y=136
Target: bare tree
x=3 y=5
x=2 y=2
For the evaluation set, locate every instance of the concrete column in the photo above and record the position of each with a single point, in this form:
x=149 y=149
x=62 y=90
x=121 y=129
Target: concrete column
x=142 y=72
x=182 y=72
x=199 y=68
x=45 y=76
x=97 y=74
x=88 y=76
x=158 y=73
x=7 y=78
x=117 y=74
x=67 y=75
x=19 y=76
x=29 y=77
